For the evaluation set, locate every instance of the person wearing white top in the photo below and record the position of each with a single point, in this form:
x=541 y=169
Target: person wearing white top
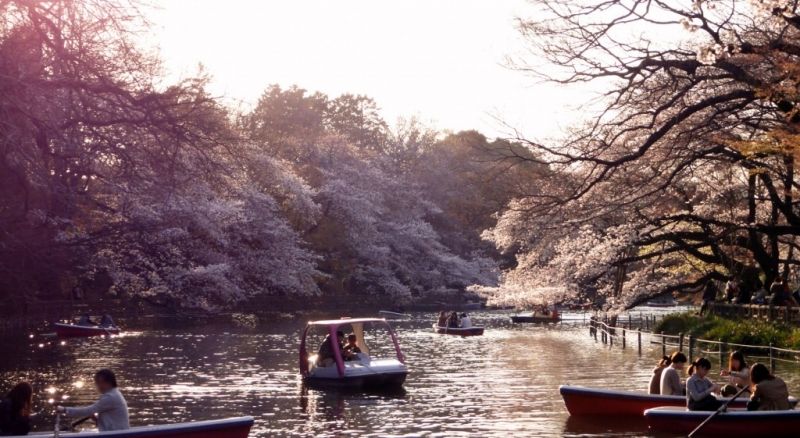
x=111 y=408
x=465 y=321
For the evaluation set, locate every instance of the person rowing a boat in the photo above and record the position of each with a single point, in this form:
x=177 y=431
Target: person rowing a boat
x=699 y=389
x=111 y=408
x=769 y=392
x=442 y=322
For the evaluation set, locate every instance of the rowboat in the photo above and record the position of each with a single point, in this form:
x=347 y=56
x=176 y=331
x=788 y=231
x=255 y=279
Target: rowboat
x=459 y=331
x=591 y=401
x=80 y=331
x=536 y=317
x=238 y=427
x=362 y=371
x=733 y=423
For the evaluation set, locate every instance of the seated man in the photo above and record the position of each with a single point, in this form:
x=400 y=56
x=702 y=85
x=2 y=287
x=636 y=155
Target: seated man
x=106 y=321
x=351 y=349
x=111 y=408
x=466 y=322
x=86 y=320
x=325 y=355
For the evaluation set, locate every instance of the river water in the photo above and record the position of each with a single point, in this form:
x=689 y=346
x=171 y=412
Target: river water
x=504 y=383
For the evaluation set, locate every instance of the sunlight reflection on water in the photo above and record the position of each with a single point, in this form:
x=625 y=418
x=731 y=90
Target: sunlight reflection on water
x=503 y=383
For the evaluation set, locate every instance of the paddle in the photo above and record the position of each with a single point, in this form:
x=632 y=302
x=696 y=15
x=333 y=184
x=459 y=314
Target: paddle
x=718 y=411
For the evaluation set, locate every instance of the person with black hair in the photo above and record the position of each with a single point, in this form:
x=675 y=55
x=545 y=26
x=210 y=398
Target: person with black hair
x=670 y=379
x=699 y=389
x=111 y=408
x=770 y=393
x=15 y=410
x=655 y=379
x=325 y=355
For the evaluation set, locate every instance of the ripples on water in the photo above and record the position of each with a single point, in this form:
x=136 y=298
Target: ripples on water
x=501 y=384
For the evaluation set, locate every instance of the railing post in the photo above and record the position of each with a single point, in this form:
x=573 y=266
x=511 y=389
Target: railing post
x=623 y=337
x=663 y=345
x=721 y=353
x=771 y=359
x=639 y=340
x=611 y=339
x=630 y=321
x=691 y=349
x=680 y=341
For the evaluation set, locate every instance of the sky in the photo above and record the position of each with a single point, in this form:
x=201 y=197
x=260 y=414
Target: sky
x=443 y=61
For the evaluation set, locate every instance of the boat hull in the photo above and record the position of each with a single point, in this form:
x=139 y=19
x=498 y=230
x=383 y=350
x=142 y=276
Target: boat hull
x=729 y=424
x=589 y=401
x=522 y=319
x=80 y=331
x=225 y=428
x=391 y=380
x=471 y=331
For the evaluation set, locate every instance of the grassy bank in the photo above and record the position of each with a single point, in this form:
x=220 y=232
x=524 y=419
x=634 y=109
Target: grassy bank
x=745 y=331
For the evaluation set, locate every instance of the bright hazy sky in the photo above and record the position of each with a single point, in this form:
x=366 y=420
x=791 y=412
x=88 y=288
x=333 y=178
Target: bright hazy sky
x=440 y=60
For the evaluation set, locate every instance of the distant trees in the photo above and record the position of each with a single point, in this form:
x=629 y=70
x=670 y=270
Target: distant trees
x=117 y=185
x=686 y=173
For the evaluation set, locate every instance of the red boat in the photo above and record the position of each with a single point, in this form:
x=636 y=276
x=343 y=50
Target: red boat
x=470 y=331
x=82 y=331
x=238 y=427
x=734 y=423
x=590 y=401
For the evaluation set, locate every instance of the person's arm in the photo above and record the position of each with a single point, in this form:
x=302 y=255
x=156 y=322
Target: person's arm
x=698 y=391
x=101 y=405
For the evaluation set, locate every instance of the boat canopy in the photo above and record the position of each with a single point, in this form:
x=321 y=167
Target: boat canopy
x=343 y=321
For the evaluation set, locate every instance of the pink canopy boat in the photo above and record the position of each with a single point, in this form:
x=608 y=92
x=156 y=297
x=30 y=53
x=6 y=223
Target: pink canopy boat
x=362 y=370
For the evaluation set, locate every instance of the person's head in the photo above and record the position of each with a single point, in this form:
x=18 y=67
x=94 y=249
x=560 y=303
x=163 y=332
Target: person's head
x=759 y=373
x=442 y=314
x=678 y=360
x=21 y=397
x=665 y=361
x=340 y=335
x=351 y=339
x=105 y=380
x=701 y=366
x=463 y=315
x=736 y=361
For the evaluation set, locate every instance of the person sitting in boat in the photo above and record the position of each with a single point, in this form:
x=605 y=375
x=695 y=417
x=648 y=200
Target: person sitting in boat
x=325 y=355
x=466 y=322
x=442 y=319
x=738 y=373
x=699 y=389
x=15 y=410
x=452 y=320
x=86 y=320
x=655 y=379
x=106 y=321
x=351 y=350
x=770 y=393
x=670 y=379
x=111 y=408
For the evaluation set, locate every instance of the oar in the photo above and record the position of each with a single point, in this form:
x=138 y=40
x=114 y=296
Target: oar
x=718 y=411
x=79 y=422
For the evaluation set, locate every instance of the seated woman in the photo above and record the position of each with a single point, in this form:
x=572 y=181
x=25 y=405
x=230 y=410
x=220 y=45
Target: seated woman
x=325 y=356
x=351 y=350
x=769 y=393
x=442 y=322
x=452 y=320
x=737 y=372
x=670 y=379
x=655 y=379
x=15 y=410
x=699 y=388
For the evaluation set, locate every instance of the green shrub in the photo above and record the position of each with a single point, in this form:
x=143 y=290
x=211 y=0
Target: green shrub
x=746 y=331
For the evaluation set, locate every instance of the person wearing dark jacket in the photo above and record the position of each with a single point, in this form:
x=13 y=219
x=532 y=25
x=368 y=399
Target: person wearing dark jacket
x=15 y=410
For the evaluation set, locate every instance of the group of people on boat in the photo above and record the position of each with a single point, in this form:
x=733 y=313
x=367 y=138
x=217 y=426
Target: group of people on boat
x=87 y=321
x=347 y=346
x=110 y=410
x=767 y=392
x=454 y=320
